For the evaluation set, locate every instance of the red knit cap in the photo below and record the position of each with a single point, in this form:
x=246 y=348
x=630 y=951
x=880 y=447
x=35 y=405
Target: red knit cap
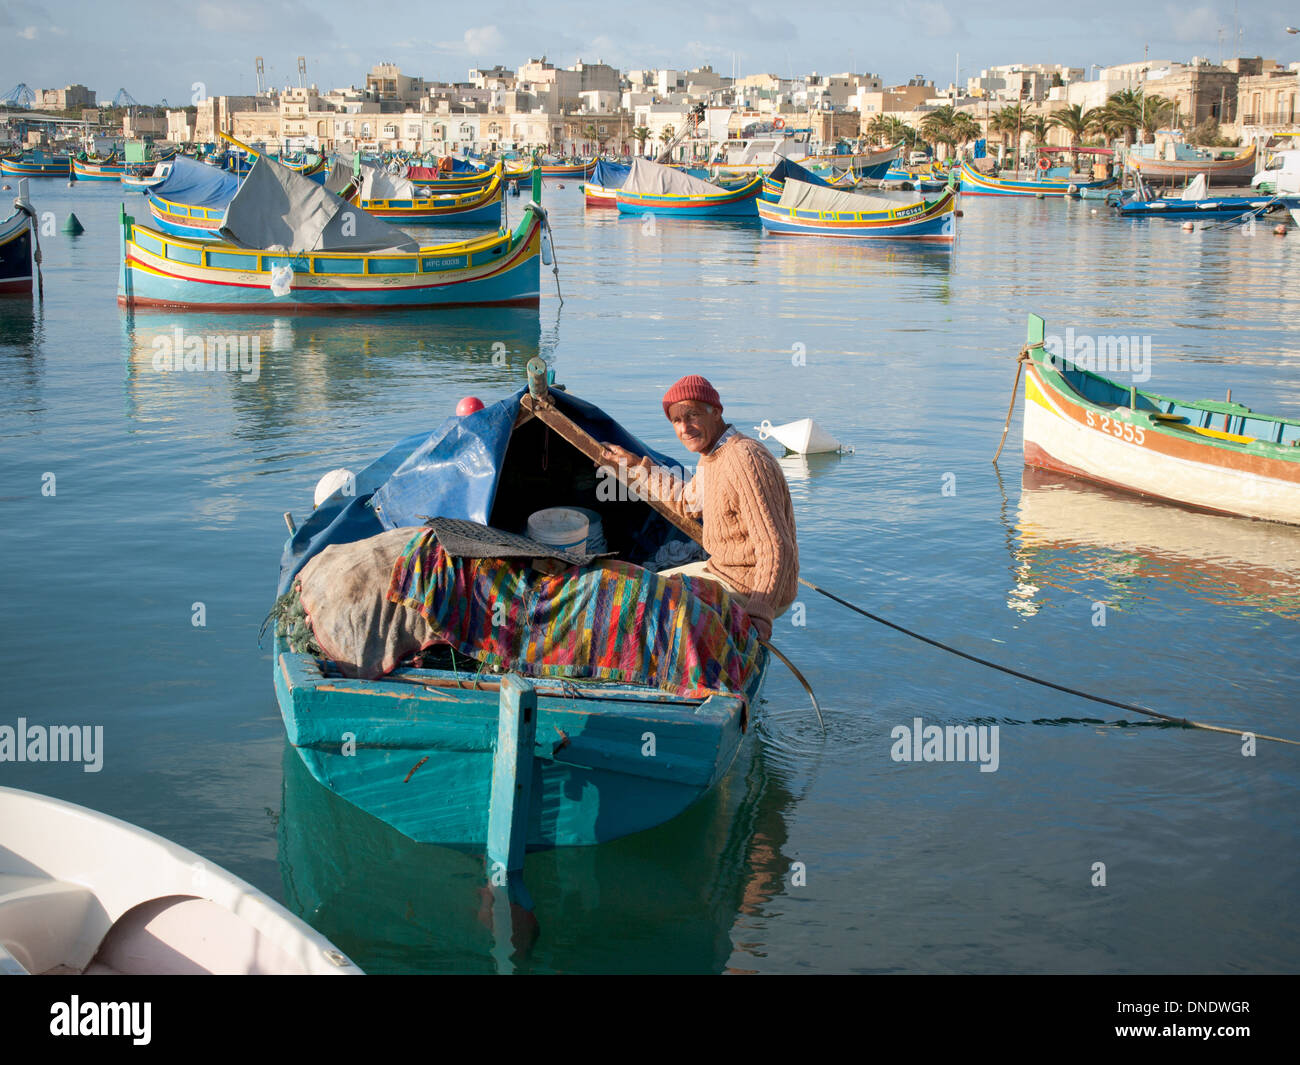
x=691 y=387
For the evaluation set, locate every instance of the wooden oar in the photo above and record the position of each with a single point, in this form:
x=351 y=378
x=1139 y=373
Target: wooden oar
x=545 y=411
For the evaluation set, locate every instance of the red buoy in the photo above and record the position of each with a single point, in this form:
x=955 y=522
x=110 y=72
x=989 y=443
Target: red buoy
x=468 y=405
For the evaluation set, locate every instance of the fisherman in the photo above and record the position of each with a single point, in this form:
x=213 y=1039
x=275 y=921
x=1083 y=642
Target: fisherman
x=740 y=494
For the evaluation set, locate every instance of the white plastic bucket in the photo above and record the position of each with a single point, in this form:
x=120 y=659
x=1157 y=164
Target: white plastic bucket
x=559 y=527
x=595 y=531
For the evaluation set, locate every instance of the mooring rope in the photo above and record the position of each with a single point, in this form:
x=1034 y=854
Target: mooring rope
x=1015 y=391
x=1185 y=722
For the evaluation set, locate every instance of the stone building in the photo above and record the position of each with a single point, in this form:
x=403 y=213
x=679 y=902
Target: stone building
x=1267 y=103
x=69 y=98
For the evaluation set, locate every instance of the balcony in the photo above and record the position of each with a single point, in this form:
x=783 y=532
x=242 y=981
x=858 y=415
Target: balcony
x=1285 y=117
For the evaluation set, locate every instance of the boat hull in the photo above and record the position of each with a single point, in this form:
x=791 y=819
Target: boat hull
x=599 y=196
x=420 y=757
x=480 y=207
x=1238 y=171
x=1226 y=206
x=972 y=183
x=98 y=171
x=16 y=255
x=162 y=271
x=82 y=892
x=926 y=220
x=1223 y=470
x=738 y=203
x=182 y=220
x=20 y=168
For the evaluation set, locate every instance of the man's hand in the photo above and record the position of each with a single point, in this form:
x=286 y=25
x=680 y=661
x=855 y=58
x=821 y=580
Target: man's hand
x=614 y=455
x=631 y=469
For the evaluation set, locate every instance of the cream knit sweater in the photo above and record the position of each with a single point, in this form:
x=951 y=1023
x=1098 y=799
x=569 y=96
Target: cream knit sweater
x=740 y=494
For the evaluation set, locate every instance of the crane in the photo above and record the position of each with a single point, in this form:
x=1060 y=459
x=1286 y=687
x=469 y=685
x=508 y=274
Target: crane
x=19 y=96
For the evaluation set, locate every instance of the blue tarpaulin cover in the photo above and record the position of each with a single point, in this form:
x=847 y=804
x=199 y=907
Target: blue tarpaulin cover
x=610 y=175
x=786 y=170
x=196 y=184
x=451 y=472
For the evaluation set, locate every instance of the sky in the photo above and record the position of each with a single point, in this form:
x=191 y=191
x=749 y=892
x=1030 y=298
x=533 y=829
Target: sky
x=129 y=43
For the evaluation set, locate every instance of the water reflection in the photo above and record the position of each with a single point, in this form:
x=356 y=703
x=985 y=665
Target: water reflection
x=275 y=371
x=1073 y=535
x=662 y=901
x=22 y=334
x=800 y=468
x=808 y=257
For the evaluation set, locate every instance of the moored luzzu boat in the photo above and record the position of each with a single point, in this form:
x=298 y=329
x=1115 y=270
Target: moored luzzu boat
x=191 y=199
x=97 y=169
x=37 y=163
x=1044 y=181
x=399 y=201
x=811 y=210
x=652 y=188
x=398 y=647
x=323 y=251
x=16 y=246
x=1214 y=455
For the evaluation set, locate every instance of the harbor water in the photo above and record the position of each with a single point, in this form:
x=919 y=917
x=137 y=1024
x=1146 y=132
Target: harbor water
x=142 y=532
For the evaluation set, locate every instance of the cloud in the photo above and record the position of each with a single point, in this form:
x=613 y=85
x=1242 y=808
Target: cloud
x=740 y=25
x=935 y=20
x=482 y=40
x=29 y=34
x=1200 y=25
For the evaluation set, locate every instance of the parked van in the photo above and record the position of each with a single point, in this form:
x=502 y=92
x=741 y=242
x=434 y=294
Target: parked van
x=1282 y=174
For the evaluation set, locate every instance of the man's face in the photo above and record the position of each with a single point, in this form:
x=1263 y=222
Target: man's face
x=696 y=424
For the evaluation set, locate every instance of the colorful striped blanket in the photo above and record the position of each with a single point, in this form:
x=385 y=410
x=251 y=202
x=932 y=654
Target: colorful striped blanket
x=607 y=621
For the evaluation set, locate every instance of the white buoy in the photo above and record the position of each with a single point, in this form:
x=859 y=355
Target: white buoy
x=332 y=482
x=803 y=437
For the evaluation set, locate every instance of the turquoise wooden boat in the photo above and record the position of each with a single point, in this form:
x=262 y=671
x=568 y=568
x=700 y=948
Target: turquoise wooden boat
x=425 y=749
x=354 y=261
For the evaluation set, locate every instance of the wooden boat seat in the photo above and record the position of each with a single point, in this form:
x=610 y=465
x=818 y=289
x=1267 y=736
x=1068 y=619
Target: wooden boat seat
x=49 y=924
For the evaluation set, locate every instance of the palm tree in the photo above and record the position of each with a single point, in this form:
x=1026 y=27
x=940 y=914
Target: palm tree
x=900 y=131
x=1007 y=123
x=1121 y=115
x=641 y=134
x=879 y=127
x=1074 y=122
x=1156 y=111
x=937 y=126
x=965 y=129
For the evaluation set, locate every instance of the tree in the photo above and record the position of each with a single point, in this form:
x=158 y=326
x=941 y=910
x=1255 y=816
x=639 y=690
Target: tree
x=641 y=134
x=965 y=129
x=1156 y=113
x=1007 y=123
x=1074 y=122
x=901 y=132
x=880 y=128
x=937 y=127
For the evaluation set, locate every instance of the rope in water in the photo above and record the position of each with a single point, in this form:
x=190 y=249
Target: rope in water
x=1185 y=722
